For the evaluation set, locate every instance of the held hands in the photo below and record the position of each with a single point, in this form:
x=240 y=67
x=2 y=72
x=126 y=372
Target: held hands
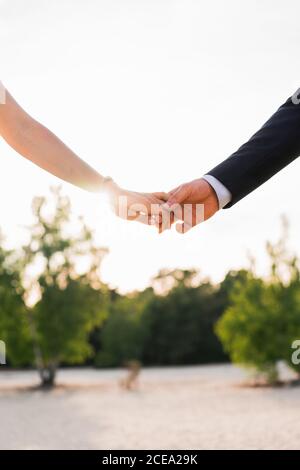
x=187 y=205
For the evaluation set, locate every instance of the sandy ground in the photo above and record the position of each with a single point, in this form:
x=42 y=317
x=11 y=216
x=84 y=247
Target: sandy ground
x=174 y=408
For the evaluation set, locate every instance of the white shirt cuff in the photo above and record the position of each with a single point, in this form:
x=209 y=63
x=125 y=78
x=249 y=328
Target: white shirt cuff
x=223 y=194
x=2 y=93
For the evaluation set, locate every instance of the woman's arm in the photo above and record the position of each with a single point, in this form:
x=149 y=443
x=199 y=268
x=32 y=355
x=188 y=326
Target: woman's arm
x=37 y=143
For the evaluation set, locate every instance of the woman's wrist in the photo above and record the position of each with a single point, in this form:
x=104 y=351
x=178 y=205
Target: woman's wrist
x=111 y=187
x=107 y=184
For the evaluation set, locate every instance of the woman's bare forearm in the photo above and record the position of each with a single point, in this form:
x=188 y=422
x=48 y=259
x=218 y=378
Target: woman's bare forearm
x=38 y=144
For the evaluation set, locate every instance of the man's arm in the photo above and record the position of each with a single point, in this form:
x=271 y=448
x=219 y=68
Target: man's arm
x=273 y=147
x=270 y=149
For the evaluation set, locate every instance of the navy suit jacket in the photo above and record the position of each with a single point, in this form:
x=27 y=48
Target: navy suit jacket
x=269 y=150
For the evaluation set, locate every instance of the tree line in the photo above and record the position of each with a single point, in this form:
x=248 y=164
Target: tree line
x=55 y=310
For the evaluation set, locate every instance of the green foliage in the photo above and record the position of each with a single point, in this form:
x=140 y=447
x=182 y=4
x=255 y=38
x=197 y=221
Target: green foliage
x=14 y=327
x=258 y=329
x=248 y=329
x=70 y=305
x=179 y=325
x=64 y=319
x=123 y=334
x=175 y=328
x=54 y=308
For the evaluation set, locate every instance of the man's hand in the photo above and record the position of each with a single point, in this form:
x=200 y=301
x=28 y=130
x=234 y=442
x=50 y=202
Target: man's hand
x=191 y=203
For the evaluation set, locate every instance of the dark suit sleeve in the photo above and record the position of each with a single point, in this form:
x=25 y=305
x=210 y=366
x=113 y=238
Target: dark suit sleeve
x=273 y=147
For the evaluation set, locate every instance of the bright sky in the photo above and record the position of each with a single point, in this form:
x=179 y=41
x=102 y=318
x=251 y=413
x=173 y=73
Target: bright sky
x=153 y=93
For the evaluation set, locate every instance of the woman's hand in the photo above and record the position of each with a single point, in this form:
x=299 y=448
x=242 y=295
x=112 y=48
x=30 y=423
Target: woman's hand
x=132 y=205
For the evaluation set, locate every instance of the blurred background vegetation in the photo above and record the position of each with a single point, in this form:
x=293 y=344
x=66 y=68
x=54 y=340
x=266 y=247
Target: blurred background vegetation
x=54 y=309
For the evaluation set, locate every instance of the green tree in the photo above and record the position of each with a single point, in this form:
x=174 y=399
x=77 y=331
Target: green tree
x=68 y=302
x=14 y=328
x=174 y=326
x=179 y=325
x=258 y=329
x=249 y=328
x=123 y=334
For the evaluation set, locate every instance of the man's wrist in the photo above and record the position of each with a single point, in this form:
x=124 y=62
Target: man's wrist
x=224 y=196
